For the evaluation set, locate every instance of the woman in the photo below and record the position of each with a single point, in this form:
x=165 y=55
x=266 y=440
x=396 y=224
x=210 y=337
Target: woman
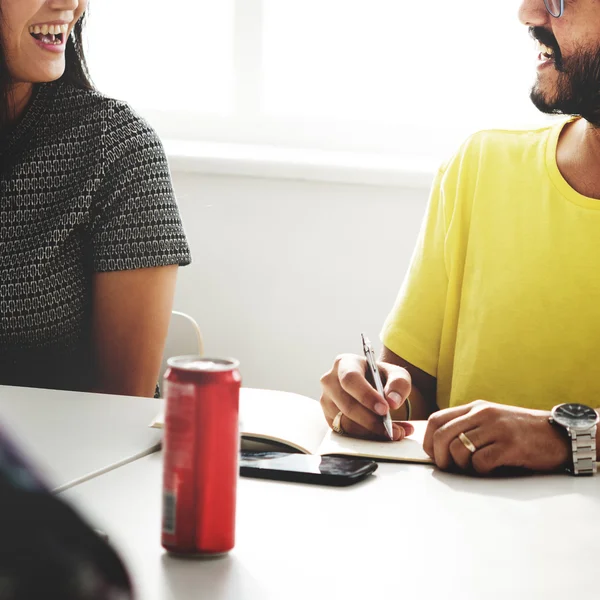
x=90 y=234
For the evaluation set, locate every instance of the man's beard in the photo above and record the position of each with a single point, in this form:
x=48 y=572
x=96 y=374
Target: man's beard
x=578 y=84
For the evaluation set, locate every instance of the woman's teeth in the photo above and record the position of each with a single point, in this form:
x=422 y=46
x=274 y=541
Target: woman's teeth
x=50 y=34
x=48 y=29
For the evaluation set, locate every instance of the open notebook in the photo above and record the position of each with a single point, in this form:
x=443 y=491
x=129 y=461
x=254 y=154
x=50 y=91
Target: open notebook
x=297 y=422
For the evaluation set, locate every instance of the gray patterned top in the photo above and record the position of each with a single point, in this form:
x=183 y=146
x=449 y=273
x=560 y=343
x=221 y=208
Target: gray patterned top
x=84 y=187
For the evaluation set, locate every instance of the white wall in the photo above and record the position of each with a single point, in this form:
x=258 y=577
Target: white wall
x=286 y=274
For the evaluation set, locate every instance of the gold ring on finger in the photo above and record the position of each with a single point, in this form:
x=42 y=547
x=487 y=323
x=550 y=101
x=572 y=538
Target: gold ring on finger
x=337 y=424
x=467 y=443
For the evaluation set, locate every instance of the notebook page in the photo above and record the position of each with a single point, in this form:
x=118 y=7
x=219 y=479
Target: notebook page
x=285 y=417
x=410 y=449
x=291 y=419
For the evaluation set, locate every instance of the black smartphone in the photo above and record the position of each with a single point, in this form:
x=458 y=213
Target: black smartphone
x=306 y=468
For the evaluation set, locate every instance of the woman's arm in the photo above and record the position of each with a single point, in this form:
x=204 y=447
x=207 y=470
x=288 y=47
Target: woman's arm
x=130 y=317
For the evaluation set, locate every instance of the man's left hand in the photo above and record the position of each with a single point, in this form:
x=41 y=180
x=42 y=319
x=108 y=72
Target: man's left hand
x=502 y=435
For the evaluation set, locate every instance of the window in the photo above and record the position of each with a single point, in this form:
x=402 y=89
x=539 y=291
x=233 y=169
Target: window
x=384 y=76
x=175 y=55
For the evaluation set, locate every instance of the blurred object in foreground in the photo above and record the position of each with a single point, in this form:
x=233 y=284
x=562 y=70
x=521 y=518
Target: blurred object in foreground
x=46 y=549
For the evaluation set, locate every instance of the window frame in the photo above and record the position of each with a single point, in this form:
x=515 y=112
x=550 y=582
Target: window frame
x=248 y=124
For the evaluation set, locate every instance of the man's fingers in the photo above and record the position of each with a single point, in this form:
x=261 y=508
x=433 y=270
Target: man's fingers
x=408 y=427
x=346 y=390
x=438 y=420
x=358 y=413
x=460 y=454
x=364 y=419
x=490 y=457
x=444 y=436
x=398 y=385
x=330 y=410
x=351 y=375
x=355 y=430
x=363 y=423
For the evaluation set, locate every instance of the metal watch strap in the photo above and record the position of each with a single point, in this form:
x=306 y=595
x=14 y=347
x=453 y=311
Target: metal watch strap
x=583 y=446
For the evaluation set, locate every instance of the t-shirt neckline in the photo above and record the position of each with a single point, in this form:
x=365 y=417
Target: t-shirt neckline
x=32 y=114
x=556 y=176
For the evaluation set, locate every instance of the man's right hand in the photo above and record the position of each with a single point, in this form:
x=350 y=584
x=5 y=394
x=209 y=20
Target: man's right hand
x=346 y=390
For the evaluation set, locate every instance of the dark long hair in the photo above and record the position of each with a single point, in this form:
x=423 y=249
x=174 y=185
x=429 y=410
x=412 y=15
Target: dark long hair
x=76 y=70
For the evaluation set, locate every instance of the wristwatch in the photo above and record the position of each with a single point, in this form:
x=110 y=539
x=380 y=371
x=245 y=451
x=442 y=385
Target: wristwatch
x=580 y=422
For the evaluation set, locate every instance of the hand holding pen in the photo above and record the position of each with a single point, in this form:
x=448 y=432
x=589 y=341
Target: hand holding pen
x=354 y=407
x=376 y=377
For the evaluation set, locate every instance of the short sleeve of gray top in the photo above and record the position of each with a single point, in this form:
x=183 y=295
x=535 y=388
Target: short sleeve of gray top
x=84 y=188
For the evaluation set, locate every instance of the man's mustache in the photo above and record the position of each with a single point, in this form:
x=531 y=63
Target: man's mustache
x=545 y=37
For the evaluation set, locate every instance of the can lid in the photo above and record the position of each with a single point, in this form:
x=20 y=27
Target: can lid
x=206 y=365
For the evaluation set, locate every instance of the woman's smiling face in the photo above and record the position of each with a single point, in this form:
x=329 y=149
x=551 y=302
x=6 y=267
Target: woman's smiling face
x=34 y=37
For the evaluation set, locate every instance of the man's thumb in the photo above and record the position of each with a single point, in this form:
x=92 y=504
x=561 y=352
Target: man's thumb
x=397 y=387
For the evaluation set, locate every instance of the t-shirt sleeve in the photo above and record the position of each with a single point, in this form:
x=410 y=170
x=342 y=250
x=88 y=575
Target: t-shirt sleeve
x=413 y=328
x=136 y=222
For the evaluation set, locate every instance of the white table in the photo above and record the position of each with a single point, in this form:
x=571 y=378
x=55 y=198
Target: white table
x=409 y=532
x=71 y=435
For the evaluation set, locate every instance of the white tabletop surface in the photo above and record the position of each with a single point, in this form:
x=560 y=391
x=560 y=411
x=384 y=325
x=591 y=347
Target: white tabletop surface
x=408 y=532
x=72 y=434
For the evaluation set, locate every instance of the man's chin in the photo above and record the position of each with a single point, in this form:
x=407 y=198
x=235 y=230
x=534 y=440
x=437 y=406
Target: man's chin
x=570 y=87
x=545 y=101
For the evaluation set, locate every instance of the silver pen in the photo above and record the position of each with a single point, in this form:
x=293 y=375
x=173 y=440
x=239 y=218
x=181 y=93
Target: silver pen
x=370 y=356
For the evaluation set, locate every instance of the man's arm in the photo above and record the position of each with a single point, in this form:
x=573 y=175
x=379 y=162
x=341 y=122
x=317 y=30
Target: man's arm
x=423 y=394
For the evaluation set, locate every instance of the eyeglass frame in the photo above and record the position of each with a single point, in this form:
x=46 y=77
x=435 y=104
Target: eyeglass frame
x=561 y=11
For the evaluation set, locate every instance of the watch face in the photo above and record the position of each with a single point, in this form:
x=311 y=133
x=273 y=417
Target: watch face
x=576 y=416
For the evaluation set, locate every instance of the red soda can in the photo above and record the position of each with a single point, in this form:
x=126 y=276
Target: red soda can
x=200 y=453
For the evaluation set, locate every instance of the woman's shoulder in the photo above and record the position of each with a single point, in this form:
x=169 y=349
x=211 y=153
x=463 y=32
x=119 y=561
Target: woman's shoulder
x=115 y=120
x=91 y=105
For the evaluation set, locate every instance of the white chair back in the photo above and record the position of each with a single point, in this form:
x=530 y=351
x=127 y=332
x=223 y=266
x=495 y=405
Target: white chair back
x=184 y=337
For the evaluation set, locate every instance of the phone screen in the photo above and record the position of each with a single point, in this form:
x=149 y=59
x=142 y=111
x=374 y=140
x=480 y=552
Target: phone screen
x=325 y=470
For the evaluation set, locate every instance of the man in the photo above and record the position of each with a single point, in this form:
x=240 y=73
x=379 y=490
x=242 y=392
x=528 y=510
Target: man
x=498 y=319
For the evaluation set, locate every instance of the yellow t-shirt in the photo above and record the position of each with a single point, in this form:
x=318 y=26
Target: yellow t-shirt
x=502 y=299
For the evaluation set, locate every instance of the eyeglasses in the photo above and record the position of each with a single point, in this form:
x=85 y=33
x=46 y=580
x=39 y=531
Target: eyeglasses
x=555 y=7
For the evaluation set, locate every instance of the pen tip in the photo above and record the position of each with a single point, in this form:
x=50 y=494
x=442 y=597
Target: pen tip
x=389 y=429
